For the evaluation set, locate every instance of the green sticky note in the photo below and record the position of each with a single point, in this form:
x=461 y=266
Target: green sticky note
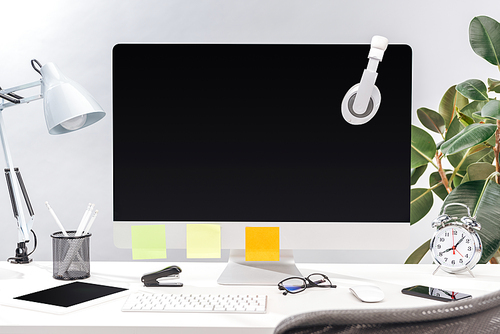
x=203 y=241
x=148 y=242
x=262 y=243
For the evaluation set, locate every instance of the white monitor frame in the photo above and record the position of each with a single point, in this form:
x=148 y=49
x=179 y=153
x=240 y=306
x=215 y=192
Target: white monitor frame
x=310 y=235
x=293 y=236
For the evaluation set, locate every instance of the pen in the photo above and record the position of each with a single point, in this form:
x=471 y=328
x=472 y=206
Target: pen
x=56 y=219
x=89 y=225
x=84 y=220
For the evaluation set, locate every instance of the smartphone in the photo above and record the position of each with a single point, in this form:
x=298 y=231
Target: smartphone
x=435 y=293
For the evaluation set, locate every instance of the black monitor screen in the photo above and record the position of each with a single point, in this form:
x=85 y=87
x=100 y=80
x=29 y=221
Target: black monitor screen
x=212 y=132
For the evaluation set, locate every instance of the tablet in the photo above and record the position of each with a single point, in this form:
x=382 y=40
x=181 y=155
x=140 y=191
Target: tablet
x=66 y=298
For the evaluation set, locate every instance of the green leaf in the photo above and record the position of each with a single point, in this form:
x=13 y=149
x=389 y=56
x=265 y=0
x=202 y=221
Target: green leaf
x=486 y=209
x=479 y=153
x=473 y=110
x=434 y=179
x=473 y=89
x=419 y=253
x=449 y=103
x=477 y=115
x=493 y=85
x=480 y=171
x=491 y=109
x=473 y=107
x=484 y=38
x=421 y=201
x=431 y=120
x=416 y=173
x=423 y=147
x=455 y=128
x=457 y=180
x=464 y=119
x=470 y=136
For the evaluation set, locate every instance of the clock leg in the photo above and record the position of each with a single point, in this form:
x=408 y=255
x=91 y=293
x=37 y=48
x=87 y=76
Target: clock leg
x=470 y=272
x=435 y=271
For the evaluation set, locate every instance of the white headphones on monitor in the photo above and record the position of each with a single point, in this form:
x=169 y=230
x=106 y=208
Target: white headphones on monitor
x=361 y=102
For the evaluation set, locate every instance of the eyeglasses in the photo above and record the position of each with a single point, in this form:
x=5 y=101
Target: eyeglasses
x=299 y=284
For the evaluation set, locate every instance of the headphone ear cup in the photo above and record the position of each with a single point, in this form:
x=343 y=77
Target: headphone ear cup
x=353 y=117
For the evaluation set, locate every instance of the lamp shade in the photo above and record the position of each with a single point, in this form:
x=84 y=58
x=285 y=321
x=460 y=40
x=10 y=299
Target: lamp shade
x=67 y=105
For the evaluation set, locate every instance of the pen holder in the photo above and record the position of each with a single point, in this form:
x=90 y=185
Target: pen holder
x=71 y=256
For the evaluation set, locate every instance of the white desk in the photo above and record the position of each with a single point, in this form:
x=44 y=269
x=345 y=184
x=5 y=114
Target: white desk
x=201 y=278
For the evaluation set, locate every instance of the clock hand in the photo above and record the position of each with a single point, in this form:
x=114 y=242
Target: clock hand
x=455 y=246
x=452 y=295
x=447 y=293
x=447 y=250
x=459 y=241
x=453 y=241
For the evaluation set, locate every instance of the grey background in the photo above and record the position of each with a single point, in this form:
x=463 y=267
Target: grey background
x=74 y=169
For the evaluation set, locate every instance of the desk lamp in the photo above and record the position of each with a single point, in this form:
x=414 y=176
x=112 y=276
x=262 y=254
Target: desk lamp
x=67 y=107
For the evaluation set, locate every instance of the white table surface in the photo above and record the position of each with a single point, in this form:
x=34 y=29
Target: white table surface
x=201 y=278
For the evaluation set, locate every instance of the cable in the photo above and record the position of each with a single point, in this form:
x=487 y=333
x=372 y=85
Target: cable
x=15 y=258
x=35 y=241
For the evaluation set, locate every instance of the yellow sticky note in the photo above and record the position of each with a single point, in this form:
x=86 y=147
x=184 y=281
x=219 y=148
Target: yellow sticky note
x=148 y=242
x=203 y=241
x=262 y=243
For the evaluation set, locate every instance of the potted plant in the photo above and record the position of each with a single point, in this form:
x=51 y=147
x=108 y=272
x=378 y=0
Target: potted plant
x=468 y=122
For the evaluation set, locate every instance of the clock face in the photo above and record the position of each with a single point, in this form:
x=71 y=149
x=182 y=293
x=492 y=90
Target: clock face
x=442 y=293
x=454 y=247
x=447 y=295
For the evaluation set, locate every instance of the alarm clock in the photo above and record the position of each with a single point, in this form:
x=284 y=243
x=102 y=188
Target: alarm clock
x=456 y=246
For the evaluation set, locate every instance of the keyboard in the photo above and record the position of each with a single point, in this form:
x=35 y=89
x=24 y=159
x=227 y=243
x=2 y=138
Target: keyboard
x=163 y=302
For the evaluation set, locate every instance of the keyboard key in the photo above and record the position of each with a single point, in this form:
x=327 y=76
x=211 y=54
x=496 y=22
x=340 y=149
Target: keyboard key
x=160 y=302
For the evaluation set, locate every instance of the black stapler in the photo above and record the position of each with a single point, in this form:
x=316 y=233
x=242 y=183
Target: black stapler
x=151 y=279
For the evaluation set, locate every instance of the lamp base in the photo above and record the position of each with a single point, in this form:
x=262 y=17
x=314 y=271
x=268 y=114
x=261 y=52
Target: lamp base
x=21 y=254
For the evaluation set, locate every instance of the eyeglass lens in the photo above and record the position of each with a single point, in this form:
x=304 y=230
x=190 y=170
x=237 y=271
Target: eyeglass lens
x=294 y=284
x=319 y=280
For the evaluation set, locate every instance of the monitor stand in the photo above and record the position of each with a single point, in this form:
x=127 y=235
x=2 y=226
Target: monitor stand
x=241 y=272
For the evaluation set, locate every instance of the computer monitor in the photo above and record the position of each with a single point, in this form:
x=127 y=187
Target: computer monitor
x=252 y=135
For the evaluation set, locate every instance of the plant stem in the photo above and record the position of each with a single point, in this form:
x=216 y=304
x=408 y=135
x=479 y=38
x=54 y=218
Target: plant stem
x=455 y=171
x=442 y=173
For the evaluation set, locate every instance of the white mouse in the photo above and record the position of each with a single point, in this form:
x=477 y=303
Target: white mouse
x=368 y=293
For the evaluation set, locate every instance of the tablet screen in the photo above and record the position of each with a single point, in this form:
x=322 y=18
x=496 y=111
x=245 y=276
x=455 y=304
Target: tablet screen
x=70 y=294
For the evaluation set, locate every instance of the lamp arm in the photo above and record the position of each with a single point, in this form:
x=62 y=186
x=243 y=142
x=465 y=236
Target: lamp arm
x=10 y=187
x=11 y=194
x=25 y=193
x=23 y=235
x=10 y=98
x=14 y=99
x=17 y=186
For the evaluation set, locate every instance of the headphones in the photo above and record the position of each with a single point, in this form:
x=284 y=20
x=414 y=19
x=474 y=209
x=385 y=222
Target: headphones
x=361 y=102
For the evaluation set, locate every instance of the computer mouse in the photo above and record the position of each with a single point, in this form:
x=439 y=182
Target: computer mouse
x=368 y=293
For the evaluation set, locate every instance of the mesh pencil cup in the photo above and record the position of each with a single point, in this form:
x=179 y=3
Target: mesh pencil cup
x=71 y=256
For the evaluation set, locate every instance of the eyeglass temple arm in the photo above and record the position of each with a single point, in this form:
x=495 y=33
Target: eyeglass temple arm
x=311 y=284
